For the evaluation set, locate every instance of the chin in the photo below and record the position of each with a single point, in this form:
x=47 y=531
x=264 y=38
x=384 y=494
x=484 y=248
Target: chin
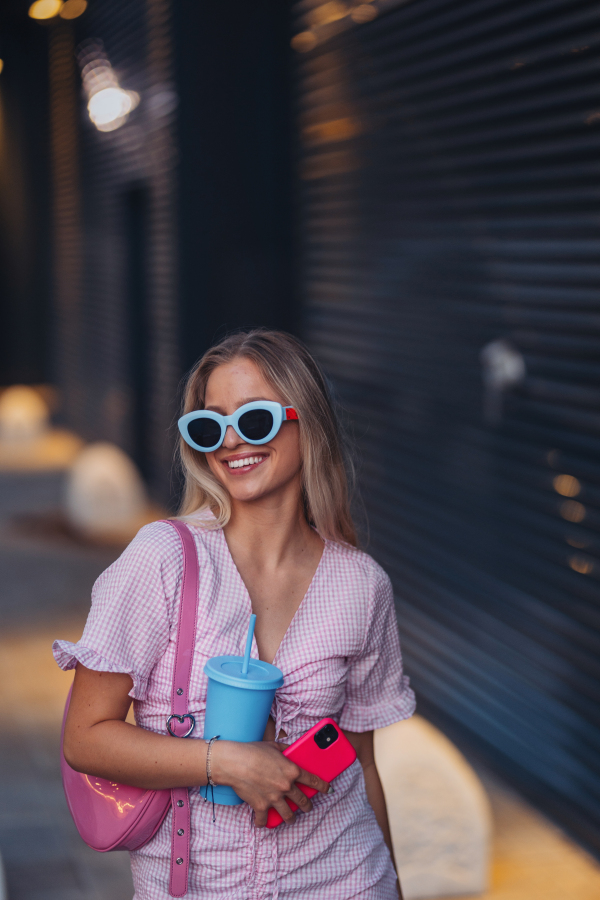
x=247 y=494
x=244 y=491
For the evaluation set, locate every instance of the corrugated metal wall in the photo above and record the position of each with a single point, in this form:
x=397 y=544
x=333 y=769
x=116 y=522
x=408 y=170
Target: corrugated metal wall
x=117 y=340
x=24 y=199
x=450 y=177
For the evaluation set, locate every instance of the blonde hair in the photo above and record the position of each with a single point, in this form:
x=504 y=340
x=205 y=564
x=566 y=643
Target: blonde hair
x=289 y=368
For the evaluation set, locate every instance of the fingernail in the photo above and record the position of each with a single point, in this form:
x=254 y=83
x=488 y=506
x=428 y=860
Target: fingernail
x=330 y=789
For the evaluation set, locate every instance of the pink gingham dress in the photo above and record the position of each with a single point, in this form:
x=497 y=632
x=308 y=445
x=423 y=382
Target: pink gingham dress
x=340 y=657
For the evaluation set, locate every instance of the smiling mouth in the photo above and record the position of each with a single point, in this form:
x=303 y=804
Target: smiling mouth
x=247 y=462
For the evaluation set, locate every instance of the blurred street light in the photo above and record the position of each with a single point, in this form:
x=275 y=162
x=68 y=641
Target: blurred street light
x=110 y=107
x=72 y=9
x=49 y=9
x=45 y=9
x=109 y=104
x=1 y=64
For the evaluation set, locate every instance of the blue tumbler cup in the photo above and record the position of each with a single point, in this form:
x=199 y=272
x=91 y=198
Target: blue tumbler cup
x=237 y=706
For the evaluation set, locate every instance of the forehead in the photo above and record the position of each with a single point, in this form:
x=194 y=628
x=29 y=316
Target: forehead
x=235 y=383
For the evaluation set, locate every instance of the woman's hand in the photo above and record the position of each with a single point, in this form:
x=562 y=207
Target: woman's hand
x=99 y=742
x=261 y=775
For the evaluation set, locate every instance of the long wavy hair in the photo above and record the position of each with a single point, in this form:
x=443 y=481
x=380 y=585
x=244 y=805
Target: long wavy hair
x=289 y=368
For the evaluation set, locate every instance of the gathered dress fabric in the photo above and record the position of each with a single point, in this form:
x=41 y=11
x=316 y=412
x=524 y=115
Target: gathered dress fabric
x=340 y=658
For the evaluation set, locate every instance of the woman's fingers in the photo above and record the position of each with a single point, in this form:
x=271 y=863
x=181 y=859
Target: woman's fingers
x=260 y=816
x=300 y=799
x=263 y=777
x=313 y=781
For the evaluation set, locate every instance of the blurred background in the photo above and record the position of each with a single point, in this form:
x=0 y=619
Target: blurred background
x=412 y=187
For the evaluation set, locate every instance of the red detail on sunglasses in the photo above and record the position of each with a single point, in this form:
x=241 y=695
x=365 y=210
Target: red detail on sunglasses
x=291 y=413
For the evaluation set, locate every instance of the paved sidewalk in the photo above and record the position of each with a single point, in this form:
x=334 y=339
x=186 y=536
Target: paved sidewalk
x=45 y=584
x=532 y=859
x=44 y=857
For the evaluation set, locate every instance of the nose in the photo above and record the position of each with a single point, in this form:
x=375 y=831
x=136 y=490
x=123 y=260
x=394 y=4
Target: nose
x=231 y=439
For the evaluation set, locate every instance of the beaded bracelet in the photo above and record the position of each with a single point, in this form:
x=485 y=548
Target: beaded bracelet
x=209 y=782
x=210 y=742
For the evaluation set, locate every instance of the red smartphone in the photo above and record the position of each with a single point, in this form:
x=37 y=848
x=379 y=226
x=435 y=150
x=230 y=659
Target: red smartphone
x=325 y=751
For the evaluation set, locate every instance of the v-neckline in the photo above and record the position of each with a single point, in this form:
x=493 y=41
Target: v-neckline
x=300 y=605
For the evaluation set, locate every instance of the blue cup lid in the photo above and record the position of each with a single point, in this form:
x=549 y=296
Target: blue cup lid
x=261 y=676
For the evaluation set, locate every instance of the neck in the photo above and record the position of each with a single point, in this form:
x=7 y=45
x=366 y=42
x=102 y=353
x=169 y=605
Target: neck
x=270 y=529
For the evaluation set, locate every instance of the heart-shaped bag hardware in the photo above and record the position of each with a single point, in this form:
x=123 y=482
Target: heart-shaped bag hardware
x=181 y=720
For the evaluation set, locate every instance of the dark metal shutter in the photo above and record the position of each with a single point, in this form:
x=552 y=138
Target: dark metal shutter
x=115 y=294
x=450 y=178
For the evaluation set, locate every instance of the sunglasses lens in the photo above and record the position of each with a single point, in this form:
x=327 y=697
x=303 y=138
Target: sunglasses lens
x=204 y=432
x=256 y=424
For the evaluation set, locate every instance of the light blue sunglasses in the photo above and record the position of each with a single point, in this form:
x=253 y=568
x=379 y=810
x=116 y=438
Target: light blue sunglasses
x=256 y=423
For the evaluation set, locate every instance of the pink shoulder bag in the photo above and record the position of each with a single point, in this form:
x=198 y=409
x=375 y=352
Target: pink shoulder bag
x=111 y=816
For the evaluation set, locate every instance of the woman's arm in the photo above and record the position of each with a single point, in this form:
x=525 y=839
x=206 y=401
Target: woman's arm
x=100 y=742
x=363 y=744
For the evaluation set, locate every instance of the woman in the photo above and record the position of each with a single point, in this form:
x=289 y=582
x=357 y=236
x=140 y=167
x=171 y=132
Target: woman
x=274 y=536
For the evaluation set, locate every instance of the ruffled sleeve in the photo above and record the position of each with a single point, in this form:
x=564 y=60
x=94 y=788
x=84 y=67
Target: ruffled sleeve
x=128 y=627
x=377 y=691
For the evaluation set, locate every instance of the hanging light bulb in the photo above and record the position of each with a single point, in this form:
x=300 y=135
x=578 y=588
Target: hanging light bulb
x=109 y=104
x=45 y=9
x=109 y=108
x=72 y=9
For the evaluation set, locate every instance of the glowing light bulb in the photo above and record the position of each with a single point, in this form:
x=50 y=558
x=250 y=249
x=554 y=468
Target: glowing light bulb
x=72 y=9
x=109 y=107
x=45 y=9
x=109 y=104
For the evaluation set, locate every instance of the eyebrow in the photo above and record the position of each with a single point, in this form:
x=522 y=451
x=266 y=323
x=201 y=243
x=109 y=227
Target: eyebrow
x=219 y=409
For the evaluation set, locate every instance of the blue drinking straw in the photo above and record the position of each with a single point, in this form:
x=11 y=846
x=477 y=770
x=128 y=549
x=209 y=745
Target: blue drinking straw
x=248 y=644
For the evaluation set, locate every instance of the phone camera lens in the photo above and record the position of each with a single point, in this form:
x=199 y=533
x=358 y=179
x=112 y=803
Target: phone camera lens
x=326 y=736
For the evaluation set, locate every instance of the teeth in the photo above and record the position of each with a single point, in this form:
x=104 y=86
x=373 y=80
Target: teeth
x=239 y=463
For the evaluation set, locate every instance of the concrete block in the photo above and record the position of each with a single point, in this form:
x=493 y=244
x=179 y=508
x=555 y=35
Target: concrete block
x=439 y=812
x=105 y=494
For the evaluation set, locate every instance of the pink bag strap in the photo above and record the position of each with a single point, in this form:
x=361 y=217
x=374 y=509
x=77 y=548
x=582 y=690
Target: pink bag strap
x=186 y=632
x=181 y=723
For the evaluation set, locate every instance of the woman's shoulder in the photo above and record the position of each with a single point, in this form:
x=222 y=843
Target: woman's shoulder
x=157 y=548
x=156 y=541
x=358 y=564
x=161 y=540
x=153 y=552
x=151 y=564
